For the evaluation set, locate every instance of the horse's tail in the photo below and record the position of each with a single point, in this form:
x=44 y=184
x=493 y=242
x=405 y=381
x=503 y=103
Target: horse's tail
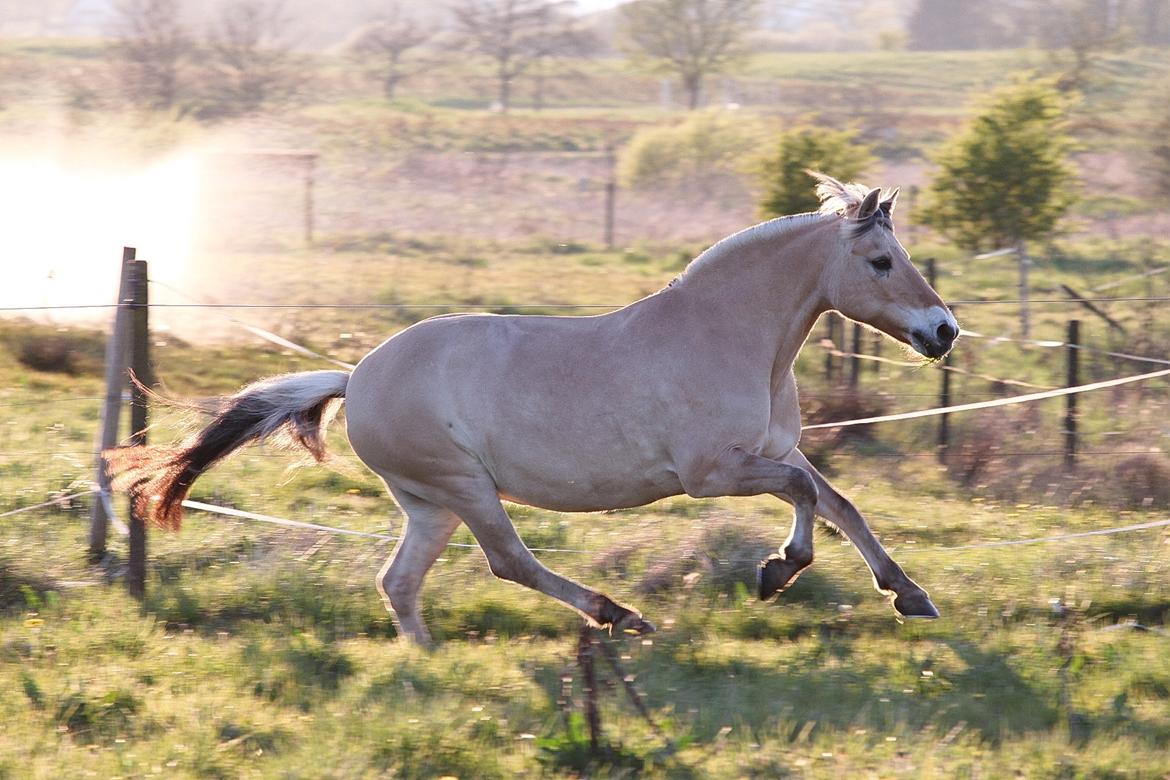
x=295 y=408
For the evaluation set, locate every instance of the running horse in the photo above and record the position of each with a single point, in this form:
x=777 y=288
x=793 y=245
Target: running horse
x=688 y=390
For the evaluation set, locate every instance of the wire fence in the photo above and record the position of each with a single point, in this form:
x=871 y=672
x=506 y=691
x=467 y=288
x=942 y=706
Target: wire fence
x=283 y=522
x=284 y=343
x=538 y=305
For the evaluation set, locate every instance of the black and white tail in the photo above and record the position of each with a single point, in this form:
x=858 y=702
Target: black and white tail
x=292 y=409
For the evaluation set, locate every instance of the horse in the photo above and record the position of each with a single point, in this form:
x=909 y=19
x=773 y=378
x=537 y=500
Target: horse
x=689 y=390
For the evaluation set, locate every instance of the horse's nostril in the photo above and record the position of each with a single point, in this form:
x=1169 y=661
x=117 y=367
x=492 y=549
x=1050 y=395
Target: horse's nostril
x=946 y=334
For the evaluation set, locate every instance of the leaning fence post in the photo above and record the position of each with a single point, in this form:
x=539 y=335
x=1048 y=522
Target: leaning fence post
x=139 y=359
x=115 y=382
x=1072 y=358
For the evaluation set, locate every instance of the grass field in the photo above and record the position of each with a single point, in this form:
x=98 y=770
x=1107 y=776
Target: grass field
x=262 y=651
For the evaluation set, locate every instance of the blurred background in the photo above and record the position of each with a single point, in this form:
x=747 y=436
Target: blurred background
x=306 y=179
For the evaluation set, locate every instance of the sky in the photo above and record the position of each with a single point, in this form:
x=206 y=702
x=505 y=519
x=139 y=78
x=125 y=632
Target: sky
x=589 y=6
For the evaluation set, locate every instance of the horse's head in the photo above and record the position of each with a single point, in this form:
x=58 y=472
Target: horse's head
x=869 y=277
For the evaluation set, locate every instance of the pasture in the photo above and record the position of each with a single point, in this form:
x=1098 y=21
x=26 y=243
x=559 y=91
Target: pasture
x=263 y=651
x=266 y=651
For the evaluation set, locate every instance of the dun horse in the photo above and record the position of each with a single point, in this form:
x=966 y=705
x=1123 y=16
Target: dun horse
x=689 y=390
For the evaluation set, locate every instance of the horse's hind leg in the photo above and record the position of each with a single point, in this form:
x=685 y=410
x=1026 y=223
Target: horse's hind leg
x=428 y=529
x=509 y=559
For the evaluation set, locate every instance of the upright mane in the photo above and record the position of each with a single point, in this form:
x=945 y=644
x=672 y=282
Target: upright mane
x=846 y=201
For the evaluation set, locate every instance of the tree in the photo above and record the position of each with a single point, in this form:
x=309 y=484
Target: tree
x=1082 y=28
x=513 y=33
x=1159 y=148
x=248 y=54
x=557 y=36
x=692 y=39
x=787 y=189
x=151 y=43
x=1006 y=178
x=388 y=39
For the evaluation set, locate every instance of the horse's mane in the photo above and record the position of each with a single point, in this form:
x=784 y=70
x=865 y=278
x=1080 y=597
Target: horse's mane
x=837 y=199
x=845 y=200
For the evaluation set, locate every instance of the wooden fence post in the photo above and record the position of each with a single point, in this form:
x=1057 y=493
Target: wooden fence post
x=944 y=400
x=115 y=383
x=1025 y=264
x=310 y=165
x=1072 y=358
x=855 y=361
x=610 y=197
x=831 y=336
x=944 y=393
x=139 y=359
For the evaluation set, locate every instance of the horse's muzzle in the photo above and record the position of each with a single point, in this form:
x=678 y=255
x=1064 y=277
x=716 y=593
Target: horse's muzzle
x=936 y=343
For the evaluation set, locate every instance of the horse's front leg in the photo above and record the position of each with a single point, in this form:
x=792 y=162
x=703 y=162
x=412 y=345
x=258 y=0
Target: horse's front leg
x=740 y=473
x=910 y=600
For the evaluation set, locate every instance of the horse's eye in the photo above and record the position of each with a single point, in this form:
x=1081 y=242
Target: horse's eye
x=882 y=264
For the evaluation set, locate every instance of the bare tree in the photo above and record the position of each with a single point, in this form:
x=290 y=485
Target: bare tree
x=690 y=38
x=512 y=33
x=389 y=38
x=250 y=58
x=557 y=36
x=151 y=44
x=1085 y=29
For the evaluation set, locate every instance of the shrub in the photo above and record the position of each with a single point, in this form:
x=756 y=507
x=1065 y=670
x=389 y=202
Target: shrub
x=788 y=188
x=708 y=143
x=724 y=555
x=1142 y=481
x=57 y=350
x=105 y=716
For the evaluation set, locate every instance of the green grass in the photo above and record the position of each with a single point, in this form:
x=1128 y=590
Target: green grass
x=263 y=651
x=267 y=651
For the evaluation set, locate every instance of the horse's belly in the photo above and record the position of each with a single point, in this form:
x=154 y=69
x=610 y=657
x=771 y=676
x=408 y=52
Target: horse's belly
x=584 y=491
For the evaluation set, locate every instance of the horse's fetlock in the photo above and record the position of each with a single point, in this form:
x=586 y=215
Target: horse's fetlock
x=396 y=592
x=799 y=556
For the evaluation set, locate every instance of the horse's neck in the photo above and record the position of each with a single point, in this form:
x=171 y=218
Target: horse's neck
x=765 y=282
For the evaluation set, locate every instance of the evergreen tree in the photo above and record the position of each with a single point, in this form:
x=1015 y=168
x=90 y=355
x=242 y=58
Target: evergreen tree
x=787 y=187
x=1006 y=178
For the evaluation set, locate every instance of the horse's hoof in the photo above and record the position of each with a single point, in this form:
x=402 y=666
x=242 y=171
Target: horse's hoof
x=915 y=605
x=633 y=624
x=775 y=574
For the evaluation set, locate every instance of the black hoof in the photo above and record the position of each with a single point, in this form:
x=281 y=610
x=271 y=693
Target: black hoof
x=633 y=624
x=915 y=605
x=775 y=574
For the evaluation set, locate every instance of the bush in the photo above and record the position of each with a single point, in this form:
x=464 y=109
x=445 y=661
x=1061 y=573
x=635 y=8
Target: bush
x=56 y=350
x=708 y=143
x=788 y=188
x=723 y=555
x=106 y=716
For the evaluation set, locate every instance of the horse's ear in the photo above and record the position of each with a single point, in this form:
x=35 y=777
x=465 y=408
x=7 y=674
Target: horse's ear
x=870 y=204
x=889 y=202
